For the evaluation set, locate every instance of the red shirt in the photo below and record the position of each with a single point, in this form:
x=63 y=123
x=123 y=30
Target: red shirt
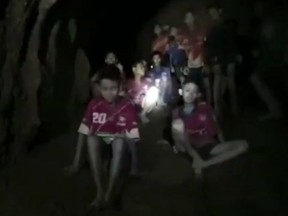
x=102 y=117
x=192 y=41
x=160 y=44
x=201 y=123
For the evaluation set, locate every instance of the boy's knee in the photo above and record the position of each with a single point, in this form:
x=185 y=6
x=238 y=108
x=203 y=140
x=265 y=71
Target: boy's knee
x=92 y=140
x=243 y=147
x=216 y=69
x=118 y=146
x=178 y=125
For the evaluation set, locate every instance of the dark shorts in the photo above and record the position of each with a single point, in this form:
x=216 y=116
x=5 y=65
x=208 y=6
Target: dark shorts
x=196 y=75
x=178 y=71
x=224 y=61
x=204 y=151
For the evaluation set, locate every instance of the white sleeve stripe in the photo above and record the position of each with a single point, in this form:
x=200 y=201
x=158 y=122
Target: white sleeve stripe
x=83 y=129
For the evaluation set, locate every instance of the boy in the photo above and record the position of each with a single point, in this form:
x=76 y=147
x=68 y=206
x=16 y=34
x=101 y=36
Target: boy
x=109 y=120
x=196 y=132
x=221 y=54
x=177 y=56
x=163 y=75
x=136 y=90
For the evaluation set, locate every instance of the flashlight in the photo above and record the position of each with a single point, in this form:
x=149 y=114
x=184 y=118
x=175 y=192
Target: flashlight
x=151 y=98
x=152 y=95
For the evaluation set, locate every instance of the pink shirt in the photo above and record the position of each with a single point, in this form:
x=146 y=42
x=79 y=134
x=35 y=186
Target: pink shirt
x=200 y=124
x=102 y=117
x=160 y=43
x=192 y=42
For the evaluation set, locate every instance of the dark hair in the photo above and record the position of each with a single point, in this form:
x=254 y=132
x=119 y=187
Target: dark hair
x=137 y=62
x=197 y=83
x=110 y=72
x=110 y=52
x=171 y=39
x=154 y=53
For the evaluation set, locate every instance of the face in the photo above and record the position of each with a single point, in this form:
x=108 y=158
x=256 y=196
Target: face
x=172 y=43
x=157 y=29
x=139 y=69
x=214 y=13
x=111 y=58
x=189 y=18
x=190 y=93
x=156 y=60
x=109 y=90
x=173 y=31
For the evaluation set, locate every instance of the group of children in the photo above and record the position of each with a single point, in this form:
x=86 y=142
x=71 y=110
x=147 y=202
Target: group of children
x=113 y=115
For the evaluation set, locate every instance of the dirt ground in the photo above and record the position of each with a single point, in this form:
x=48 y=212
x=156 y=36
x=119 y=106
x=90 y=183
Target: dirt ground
x=253 y=184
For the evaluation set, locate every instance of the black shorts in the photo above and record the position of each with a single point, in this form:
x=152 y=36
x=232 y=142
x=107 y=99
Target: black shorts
x=204 y=151
x=196 y=75
x=224 y=62
x=106 y=147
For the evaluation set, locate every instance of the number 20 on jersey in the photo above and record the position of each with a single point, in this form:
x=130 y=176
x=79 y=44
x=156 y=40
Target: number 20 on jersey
x=99 y=118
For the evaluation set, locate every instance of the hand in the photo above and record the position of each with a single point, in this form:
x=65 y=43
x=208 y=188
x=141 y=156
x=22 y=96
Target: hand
x=144 y=119
x=198 y=163
x=120 y=67
x=72 y=169
x=185 y=71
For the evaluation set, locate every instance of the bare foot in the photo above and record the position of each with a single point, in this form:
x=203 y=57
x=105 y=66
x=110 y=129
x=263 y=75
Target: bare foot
x=98 y=203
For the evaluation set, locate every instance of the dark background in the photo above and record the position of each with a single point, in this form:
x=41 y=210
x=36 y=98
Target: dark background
x=105 y=26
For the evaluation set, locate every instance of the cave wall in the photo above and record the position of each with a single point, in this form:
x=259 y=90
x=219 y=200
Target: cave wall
x=35 y=87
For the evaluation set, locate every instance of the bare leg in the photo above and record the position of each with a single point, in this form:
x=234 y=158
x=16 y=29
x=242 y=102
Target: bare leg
x=77 y=158
x=118 y=149
x=134 y=157
x=232 y=87
x=217 y=89
x=181 y=140
x=94 y=150
x=226 y=151
x=266 y=96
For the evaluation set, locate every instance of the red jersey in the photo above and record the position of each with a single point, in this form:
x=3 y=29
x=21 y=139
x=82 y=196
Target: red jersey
x=104 y=118
x=200 y=123
x=160 y=44
x=192 y=42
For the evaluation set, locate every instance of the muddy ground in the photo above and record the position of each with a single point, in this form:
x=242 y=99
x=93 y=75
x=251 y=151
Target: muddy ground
x=253 y=184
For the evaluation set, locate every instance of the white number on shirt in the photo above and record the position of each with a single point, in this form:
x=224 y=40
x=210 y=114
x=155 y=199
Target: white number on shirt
x=99 y=118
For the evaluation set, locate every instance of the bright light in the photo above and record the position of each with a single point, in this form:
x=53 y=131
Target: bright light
x=151 y=97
